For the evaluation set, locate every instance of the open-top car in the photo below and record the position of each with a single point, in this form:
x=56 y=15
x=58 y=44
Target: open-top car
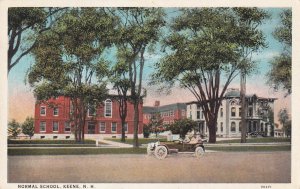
x=162 y=149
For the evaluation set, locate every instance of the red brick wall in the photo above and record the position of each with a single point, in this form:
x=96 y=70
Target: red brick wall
x=63 y=105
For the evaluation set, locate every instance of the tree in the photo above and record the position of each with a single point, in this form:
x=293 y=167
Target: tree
x=182 y=127
x=199 y=52
x=283 y=116
x=248 y=18
x=24 y=24
x=121 y=83
x=14 y=128
x=288 y=128
x=280 y=74
x=139 y=29
x=68 y=62
x=156 y=124
x=28 y=127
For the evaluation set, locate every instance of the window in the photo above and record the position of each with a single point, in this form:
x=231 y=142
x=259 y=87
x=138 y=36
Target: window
x=67 y=127
x=43 y=111
x=221 y=125
x=102 y=127
x=198 y=106
x=42 y=126
x=55 y=126
x=171 y=113
x=108 y=108
x=198 y=114
x=182 y=112
x=91 y=111
x=233 y=111
x=91 y=128
x=113 y=127
x=202 y=115
x=250 y=112
x=232 y=128
x=240 y=112
x=126 y=127
x=55 y=111
x=240 y=126
x=221 y=112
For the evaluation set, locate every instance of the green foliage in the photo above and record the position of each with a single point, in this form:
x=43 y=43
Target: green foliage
x=69 y=63
x=28 y=127
x=14 y=128
x=182 y=127
x=45 y=141
x=138 y=29
x=288 y=128
x=155 y=125
x=205 y=45
x=280 y=75
x=24 y=24
x=283 y=116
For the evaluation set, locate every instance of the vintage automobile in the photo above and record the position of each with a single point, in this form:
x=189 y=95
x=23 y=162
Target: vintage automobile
x=161 y=149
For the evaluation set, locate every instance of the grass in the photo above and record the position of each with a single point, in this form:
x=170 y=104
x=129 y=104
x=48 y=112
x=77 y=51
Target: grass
x=45 y=141
x=75 y=151
x=141 y=140
x=54 y=145
x=250 y=148
x=256 y=140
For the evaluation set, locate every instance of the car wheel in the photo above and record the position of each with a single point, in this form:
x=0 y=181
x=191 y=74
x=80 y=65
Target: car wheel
x=161 y=152
x=199 y=151
x=149 y=151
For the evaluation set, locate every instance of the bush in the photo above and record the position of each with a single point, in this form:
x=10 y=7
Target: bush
x=182 y=127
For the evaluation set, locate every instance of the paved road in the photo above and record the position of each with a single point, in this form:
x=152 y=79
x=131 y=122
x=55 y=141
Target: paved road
x=219 y=167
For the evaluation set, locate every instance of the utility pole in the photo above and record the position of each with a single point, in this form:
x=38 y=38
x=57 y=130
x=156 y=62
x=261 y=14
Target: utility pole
x=243 y=106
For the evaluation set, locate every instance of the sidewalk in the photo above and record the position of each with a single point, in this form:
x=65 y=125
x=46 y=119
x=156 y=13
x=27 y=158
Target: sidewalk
x=109 y=143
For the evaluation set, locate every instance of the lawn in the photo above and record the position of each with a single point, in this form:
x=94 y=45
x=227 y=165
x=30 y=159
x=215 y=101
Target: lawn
x=257 y=140
x=141 y=140
x=249 y=148
x=75 y=151
x=45 y=141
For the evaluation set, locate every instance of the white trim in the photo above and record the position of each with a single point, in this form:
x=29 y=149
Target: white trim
x=45 y=127
x=112 y=127
x=100 y=131
x=53 y=126
x=41 y=110
x=65 y=127
x=55 y=108
x=110 y=108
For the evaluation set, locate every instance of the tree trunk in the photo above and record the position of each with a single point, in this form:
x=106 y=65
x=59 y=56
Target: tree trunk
x=212 y=130
x=243 y=108
x=136 y=124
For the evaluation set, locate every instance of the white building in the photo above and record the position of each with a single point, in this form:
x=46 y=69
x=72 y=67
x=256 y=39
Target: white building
x=229 y=116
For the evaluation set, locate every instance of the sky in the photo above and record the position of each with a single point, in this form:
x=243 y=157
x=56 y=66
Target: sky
x=21 y=100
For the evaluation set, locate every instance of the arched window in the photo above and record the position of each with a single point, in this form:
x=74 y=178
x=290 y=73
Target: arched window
x=232 y=128
x=232 y=103
x=233 y=111
x=108 y=108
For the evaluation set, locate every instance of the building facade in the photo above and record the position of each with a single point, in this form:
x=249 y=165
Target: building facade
x=52 y=120
x=229 y=116
x=168 y=113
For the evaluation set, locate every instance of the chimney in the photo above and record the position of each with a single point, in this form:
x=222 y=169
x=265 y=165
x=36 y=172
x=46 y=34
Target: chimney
x=157 y=103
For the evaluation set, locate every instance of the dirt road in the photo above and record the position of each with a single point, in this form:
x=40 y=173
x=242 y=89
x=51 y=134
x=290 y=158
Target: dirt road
x=220 y=167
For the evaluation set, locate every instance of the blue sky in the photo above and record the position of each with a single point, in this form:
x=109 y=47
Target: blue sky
x=18 y=92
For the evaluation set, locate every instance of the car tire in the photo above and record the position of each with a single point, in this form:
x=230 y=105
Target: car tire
x=199 y=152
x=161 y=152
x=149 y=151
